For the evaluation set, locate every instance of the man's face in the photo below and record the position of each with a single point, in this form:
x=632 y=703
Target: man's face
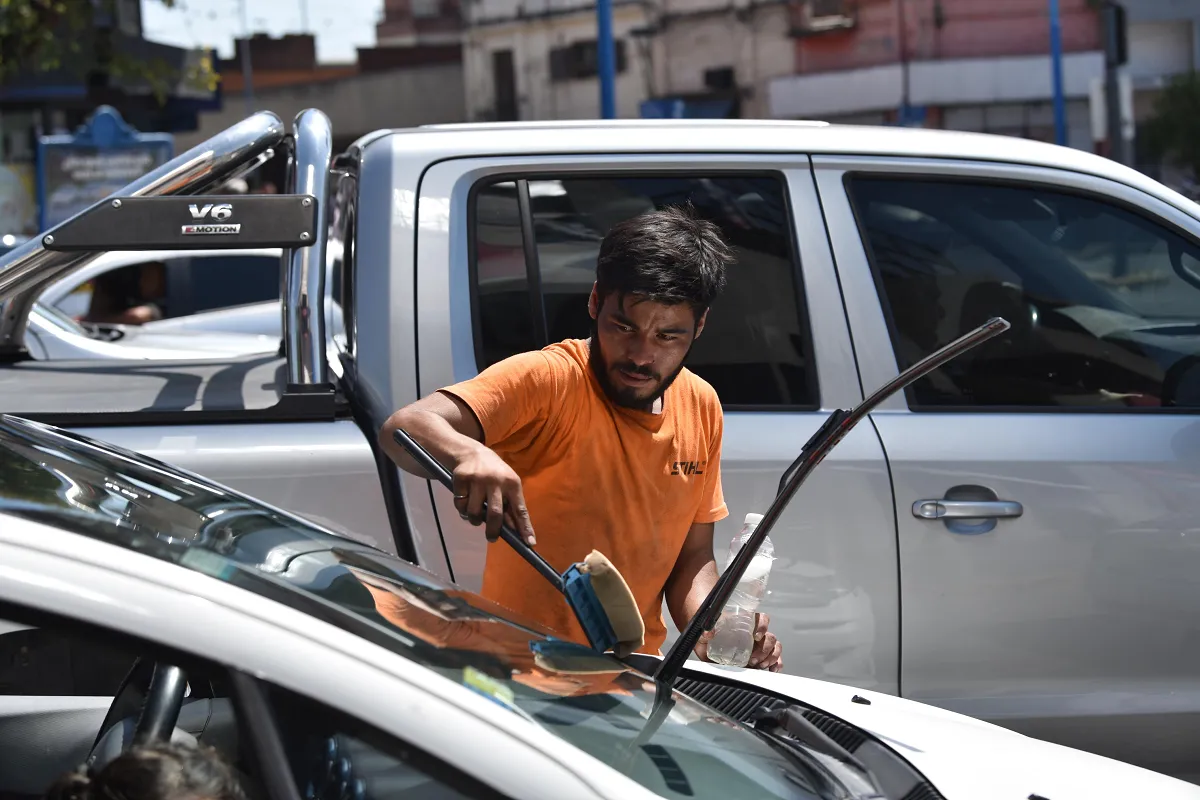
x=638 y=346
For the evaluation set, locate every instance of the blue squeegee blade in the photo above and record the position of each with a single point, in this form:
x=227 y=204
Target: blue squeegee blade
x=592 y=617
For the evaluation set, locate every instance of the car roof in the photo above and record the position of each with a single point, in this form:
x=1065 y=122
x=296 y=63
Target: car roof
x=741 y=136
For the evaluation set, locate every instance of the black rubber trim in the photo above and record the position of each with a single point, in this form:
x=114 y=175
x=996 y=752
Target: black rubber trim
x=365 y=417
x=533 y=267
x=255 y=715
x=416 y=294
x=302 y=406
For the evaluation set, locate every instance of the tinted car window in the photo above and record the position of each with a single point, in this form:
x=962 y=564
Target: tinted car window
x=755 y=350
x=229 y=280
x=333 y=756
x=593 y=701
x=1100 y=317
x=56 y=663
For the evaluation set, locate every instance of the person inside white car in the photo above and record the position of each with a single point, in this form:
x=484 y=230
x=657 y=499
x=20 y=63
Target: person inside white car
x=159 y=771
x=129 y=296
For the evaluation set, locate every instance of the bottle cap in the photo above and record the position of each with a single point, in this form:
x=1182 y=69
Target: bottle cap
x=753 y=519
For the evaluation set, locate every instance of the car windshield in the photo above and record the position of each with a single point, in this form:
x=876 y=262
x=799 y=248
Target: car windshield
x=593 y=701
x=60 y=319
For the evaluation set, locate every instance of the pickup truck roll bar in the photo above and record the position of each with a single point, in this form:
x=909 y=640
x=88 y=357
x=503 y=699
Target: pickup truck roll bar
x=241 y=148
x=30 y=268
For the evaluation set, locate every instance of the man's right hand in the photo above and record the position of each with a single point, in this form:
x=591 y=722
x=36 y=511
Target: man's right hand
x=447 y=428
x=482 y=477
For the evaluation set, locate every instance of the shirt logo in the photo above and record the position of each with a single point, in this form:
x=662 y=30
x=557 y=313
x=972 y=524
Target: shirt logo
x=687 y=467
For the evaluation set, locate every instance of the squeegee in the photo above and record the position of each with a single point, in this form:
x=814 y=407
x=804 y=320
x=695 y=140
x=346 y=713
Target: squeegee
x=595 y=590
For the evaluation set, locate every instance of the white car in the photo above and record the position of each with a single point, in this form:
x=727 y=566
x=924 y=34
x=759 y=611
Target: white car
x=229 y=291
x=54 y=336
x=196 y=281
x=140 y=601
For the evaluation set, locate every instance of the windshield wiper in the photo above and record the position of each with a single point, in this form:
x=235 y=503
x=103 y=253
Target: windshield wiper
x=834 y=429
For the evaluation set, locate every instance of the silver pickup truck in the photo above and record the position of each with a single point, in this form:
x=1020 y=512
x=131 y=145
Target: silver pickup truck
x=1016 y=537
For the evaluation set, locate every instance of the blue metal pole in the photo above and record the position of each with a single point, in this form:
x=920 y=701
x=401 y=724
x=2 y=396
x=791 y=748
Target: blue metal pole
x=605 y=58
x=1060 y=111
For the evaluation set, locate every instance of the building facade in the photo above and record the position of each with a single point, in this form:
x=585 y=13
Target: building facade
x=971 y=65
x=390 y=86
x=36 y=103
x=976 y=65
x=536 y=59
x=409 y=23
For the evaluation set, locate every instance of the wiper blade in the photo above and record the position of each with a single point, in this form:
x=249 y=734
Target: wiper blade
x=780 y=730
x=835 y=428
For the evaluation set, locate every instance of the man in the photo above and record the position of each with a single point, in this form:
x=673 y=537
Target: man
x=579 y=445
x=132 y=295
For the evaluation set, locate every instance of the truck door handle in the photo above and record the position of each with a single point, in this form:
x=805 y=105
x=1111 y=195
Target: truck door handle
x=966 y=509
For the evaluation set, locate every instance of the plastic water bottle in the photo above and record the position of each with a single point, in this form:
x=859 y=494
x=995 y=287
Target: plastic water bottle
x=733 y=635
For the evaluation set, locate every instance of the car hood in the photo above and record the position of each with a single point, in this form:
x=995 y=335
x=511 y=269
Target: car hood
x=214 y=342
x=963 y=757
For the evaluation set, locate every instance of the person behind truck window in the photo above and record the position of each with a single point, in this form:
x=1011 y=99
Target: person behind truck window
x=130 y=295
x=154 y=772
x=607 y=442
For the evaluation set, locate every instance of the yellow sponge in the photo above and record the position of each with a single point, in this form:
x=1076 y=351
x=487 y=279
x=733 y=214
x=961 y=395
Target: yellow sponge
x=618 y=602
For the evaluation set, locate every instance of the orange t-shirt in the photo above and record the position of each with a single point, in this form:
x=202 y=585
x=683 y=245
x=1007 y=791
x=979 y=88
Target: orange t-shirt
x=595 y=475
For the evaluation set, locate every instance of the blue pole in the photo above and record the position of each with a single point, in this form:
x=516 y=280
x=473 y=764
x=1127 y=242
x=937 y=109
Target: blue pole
x=1060 y=112
x=605 y=58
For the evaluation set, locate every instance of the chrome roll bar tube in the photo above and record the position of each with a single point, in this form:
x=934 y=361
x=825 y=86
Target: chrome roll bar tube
x=304 y=277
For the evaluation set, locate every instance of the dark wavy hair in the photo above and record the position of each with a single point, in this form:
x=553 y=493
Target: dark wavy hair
x=154 y=772
x=668 y=256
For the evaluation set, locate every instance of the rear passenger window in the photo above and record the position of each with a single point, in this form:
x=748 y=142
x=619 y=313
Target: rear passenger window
x=755 y=350
x=1104 y=302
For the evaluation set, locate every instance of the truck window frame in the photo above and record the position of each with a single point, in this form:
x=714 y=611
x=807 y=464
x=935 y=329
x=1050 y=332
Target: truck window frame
x=519 y=177
x=1030 y=182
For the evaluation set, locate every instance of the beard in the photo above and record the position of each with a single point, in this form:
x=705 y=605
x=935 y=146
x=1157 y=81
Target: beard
x=626 y=396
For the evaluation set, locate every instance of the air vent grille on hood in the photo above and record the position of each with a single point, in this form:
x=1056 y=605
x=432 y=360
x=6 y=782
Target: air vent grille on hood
x=835 y=729
x=743 y=704
x=672 y=775
x=735 y=701
x=923 y=791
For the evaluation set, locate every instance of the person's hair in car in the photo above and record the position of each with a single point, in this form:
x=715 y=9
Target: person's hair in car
x=154 y=772
x=667 y=256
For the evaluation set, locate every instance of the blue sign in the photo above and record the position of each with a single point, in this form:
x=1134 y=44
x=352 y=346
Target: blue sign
x=911 y=116
x=678 y=108
x=74 y=172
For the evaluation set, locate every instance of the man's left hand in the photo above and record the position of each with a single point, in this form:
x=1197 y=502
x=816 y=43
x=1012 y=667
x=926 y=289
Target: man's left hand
x=767 y=653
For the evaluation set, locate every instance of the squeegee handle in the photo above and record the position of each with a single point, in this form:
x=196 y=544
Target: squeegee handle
x=443 y=476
